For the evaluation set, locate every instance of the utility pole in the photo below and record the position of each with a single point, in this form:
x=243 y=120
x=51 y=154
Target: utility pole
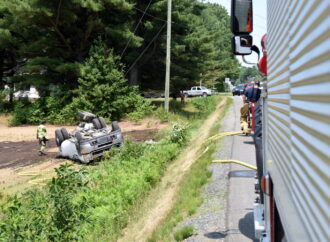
x=168 y=54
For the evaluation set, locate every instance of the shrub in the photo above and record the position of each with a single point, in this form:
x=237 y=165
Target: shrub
x=179 y=134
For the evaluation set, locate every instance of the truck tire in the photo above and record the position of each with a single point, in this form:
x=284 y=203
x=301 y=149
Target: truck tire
x=58 y=137
x=204 y=94
x=96 y=123
x=78 y=136
x=115 y=126
x=65 y=134
x=102 y=123
x=186 y=95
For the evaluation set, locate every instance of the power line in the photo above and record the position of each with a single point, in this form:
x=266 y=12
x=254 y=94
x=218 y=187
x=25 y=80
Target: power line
x=145 y=49
x=148 y=14
x=137 y=26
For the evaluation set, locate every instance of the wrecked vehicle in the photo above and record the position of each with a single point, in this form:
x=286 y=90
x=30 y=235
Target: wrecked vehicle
x=89 y=139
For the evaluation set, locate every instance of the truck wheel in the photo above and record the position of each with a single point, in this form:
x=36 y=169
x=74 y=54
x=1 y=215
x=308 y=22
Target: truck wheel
x=65 y=134
x=96 y=123
x=58 y=137
x=186 y=95
x=78 y=136
x=204 y=94
x=115 y=126
x=102 y=123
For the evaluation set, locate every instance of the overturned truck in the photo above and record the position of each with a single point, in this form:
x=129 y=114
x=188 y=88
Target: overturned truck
x=89 y=140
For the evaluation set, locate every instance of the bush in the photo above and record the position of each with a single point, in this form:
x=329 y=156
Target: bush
x=179 y=134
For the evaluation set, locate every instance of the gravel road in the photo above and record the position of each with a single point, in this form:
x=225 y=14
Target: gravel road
x=221 y=217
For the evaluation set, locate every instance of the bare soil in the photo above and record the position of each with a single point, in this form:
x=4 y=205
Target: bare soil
x=161 y=200
x=19 y=150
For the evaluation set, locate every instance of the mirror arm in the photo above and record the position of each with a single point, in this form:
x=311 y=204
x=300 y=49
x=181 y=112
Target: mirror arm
x=255 y=49
x=247 y=62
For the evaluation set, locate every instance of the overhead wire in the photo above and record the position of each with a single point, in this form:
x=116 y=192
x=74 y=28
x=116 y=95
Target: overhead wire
x=146 y=48
x=137 y=26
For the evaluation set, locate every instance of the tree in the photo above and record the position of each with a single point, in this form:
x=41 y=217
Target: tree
x=249 y=74
x=54 y=37
x=103 y=90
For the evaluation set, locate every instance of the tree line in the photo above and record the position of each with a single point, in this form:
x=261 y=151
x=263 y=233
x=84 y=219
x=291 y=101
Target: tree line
x=48 y=44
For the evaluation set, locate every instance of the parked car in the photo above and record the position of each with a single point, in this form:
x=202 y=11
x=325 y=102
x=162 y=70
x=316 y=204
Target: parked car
x=90 y=139
x=239 y=90
x=198 y=91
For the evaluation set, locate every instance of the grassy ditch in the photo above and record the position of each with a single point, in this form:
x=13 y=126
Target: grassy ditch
x=188 y=197
x=95 y=203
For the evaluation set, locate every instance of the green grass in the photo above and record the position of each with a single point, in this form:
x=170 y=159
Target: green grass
x=101 y=208
x=189 y=199
x=184 y=233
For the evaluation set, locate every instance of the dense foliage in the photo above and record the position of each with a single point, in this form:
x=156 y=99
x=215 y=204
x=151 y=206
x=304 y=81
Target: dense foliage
x=48 y=44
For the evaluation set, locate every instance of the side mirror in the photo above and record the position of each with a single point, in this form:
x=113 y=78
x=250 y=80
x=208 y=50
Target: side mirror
x=241 y=17
x=242 y=45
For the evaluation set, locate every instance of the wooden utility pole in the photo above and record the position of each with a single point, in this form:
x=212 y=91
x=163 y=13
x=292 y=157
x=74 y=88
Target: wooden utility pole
x=168 y=54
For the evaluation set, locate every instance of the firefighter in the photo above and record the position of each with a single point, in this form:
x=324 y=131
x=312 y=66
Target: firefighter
x=42 y=137
x=244 y=118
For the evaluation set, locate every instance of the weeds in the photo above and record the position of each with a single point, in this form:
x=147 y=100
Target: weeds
x=52 y=214
x=184 y=233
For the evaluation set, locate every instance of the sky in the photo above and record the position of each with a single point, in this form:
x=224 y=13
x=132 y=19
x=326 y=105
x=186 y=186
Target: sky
x=259 y=23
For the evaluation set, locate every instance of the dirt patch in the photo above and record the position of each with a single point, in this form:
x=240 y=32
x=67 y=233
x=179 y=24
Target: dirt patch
x=19 y=150
x=29 y=132
x=161 y=200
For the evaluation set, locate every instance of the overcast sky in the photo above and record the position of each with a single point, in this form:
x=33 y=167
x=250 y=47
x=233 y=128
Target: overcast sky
x=259 y=21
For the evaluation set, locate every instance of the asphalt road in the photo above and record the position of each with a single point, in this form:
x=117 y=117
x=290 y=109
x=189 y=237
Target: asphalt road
x=240 y=223
x=226 y=214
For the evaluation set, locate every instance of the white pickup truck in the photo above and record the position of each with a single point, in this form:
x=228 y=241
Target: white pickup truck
x=198 y=91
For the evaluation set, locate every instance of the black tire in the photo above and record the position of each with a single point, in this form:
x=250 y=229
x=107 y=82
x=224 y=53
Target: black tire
x=58 y=137
x=204 y=94
x=186 y=95
x=102 y=123
x=115 y=126
x=78 y=136
x=65 y=134
x=96 y=123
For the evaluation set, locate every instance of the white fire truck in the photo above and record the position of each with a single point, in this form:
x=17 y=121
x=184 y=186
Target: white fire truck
x=292 y=132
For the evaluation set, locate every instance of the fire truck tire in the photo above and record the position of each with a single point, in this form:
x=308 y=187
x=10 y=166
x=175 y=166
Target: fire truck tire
x=58 y=137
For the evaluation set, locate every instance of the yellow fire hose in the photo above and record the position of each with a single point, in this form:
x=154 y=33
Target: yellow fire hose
x=218 y=136
x=236 y=162
x=39 y=181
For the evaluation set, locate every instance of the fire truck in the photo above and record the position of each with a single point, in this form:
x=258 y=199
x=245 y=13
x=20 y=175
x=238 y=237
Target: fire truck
x=292 y=126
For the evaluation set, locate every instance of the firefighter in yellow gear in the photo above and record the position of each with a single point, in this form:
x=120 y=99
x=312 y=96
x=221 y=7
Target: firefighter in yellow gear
x=244 y=118
x=42 y=137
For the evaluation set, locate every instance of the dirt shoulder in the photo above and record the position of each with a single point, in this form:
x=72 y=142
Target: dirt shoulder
x=160 y=201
